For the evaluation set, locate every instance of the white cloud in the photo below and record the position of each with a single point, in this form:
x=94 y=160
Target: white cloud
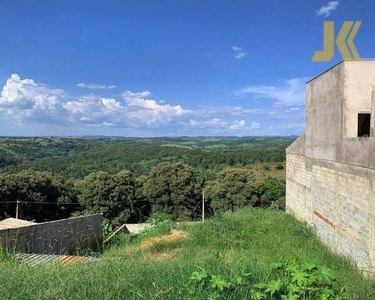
x=235 y=111
x=111 y=104
x=205 y=124
x=149 y=111
x=255 y=125
x=285 y=102
x=92 y=109
x=26 y=93
x=236 y=48
x=25 y=101
x=241 y=125
x=240 y=55
x=94 y=86
x=327 y=9
x=129 y=94
x=292 y=92
x=238 y=125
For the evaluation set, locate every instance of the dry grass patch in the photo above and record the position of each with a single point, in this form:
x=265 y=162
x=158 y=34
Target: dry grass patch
x=165 y=247
x=174 y=237
x=162 y=256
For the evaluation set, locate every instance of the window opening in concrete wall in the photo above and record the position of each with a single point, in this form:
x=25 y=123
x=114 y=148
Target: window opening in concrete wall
x=364 y=125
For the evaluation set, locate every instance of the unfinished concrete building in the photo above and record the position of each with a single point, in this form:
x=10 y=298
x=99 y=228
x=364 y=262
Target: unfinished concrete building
x=331 y=167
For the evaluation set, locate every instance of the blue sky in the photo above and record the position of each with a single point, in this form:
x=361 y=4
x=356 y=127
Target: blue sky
x=164 y=68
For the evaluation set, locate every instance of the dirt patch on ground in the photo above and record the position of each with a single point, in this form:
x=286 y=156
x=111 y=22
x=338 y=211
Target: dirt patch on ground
x=173 y=237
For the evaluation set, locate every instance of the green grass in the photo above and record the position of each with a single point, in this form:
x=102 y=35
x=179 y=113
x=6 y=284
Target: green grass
x=4 y=256
x=246 y=241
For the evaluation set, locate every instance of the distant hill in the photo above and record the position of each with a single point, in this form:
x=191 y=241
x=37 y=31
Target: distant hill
x=77 y=157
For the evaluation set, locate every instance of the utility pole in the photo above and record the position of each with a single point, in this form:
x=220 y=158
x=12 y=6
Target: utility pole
x=203 y=206
x=17 y=208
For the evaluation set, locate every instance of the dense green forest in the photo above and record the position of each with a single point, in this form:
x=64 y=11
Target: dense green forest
x=127 y=179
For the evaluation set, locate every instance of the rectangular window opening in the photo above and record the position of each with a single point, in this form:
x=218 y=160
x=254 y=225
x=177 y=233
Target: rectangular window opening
x=364 y=125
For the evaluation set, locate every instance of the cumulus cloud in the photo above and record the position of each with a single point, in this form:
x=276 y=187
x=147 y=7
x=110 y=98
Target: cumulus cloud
x=238 y=125
x=149 y=111
x=94 y=86
x=291 y=92
x=92 y=109
x=327 y=9
x=26 y=100
x=25 y=93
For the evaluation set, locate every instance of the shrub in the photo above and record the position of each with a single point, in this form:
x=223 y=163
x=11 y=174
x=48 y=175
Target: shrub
x=271 y=190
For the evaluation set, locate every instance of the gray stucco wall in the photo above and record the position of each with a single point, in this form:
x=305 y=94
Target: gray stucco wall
x=324 y=118
x=333 y=101
x=57 y=237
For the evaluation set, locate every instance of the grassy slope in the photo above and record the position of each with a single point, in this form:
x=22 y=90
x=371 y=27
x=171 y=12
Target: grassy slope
x=243 y=241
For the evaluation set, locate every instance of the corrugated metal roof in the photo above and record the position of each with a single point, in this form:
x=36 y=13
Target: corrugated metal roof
x=14 y=223
x=65 y=260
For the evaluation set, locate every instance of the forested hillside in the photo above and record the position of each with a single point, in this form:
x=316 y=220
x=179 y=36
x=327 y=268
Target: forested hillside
x=127 y=179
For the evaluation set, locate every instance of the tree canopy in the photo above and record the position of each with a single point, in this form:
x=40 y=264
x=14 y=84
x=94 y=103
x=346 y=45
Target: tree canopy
x=42 y=195
x=174 y=189
x=232 y=188
x=129 y=179
x=112 y=195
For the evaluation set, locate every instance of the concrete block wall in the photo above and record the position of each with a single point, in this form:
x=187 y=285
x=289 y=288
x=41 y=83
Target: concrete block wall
x=57 y=237
x=338 y=200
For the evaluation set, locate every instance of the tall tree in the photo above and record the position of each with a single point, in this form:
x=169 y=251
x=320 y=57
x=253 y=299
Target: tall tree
x=112 y=195
x=175 y=189
x=232 y=188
